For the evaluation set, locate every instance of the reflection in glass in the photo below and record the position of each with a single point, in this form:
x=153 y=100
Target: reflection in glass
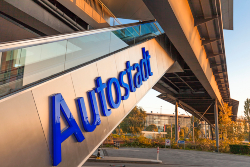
x=11 y=71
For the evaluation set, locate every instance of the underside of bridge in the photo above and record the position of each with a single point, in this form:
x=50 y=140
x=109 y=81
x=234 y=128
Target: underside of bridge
x=188 y=85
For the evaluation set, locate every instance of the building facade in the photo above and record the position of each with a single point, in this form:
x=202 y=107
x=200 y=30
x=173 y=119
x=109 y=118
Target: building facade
x=167 y=119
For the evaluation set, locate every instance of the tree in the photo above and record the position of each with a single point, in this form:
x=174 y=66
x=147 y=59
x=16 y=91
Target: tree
x=135 y=121
x=168 y=130
x=182 y=133
x=225 y=122
x=247 y=114
x=118 y=130
x=152 y=127
x=186 y=132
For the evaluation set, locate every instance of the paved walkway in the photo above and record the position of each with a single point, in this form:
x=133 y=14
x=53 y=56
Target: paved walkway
x=177 y=158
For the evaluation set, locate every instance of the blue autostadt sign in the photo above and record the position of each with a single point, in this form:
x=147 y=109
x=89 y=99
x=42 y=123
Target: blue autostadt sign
x=59 y=105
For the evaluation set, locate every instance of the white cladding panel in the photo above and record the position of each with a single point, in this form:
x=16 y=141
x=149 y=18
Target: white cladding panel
x=76 y=84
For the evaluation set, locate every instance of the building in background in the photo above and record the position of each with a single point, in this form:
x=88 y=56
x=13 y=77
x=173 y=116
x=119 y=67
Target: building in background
x=153 y=135
x=166 y=119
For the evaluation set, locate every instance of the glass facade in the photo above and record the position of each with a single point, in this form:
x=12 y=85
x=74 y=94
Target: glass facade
x=25 y=66
x=166 y=119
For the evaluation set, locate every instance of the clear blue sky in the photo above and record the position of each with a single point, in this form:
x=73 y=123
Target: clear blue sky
x=237 y=44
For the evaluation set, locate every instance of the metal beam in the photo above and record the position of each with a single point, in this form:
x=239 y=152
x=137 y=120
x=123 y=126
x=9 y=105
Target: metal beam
x=205 y=130
x=218 y=72
x=202 y=20
x=215 y=65
x=176 y=122
x=206 y=111
x=216 y=125
x=171 y=82
x=203 y=100
x=183 y=76
x=188 y=82
x=211 y=55
x=225 y=91
x=218 y=78
x=184 y=82
x=190 y=95
x=208 y=41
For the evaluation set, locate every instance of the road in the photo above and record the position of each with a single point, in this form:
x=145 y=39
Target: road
x=177 y=158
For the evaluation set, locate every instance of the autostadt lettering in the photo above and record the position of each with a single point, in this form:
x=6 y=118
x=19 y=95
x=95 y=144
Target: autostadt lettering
x=59 y=105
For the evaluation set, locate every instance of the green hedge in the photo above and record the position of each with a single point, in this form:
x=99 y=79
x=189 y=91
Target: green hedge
x=240 y=149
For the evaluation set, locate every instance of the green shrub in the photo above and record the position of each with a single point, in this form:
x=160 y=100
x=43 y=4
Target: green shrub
x=240 y=149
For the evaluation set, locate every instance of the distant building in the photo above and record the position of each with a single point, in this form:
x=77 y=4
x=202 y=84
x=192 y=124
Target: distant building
x=153 y=135
x=242 y=125
x=166 y=119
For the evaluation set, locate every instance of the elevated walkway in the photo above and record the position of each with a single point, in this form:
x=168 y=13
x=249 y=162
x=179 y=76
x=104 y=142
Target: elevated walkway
x=61 y=96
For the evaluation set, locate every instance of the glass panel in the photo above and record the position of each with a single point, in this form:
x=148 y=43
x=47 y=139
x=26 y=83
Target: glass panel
x=116 y=43
x=27 y=65
x=87 y=48
x=43 y=61
x=125 y=35
x=132 y=30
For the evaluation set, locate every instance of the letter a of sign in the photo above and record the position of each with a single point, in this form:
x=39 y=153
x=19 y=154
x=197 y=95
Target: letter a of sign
x=60 y=106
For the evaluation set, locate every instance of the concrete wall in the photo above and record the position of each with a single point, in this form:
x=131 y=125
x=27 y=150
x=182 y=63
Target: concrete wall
x=26 y=117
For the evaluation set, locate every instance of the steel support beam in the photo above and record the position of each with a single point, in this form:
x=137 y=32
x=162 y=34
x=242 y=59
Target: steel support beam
x=208 y=41
x=202 y=20
x=218 y=72
x=184 y=82
x=218 y=78
x=216 y=125
x=215 y=65
x=171 y=82
x=205 y=129
x=209 y=136
x=176 y=122
x=211 y=55
x=220 y=83
x=193 y=128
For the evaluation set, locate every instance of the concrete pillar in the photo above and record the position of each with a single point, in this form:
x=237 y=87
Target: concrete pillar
x=176 y=122
x=216 y=125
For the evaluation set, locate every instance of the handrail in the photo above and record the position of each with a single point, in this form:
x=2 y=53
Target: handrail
x=117 y=20
x=55 y=38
